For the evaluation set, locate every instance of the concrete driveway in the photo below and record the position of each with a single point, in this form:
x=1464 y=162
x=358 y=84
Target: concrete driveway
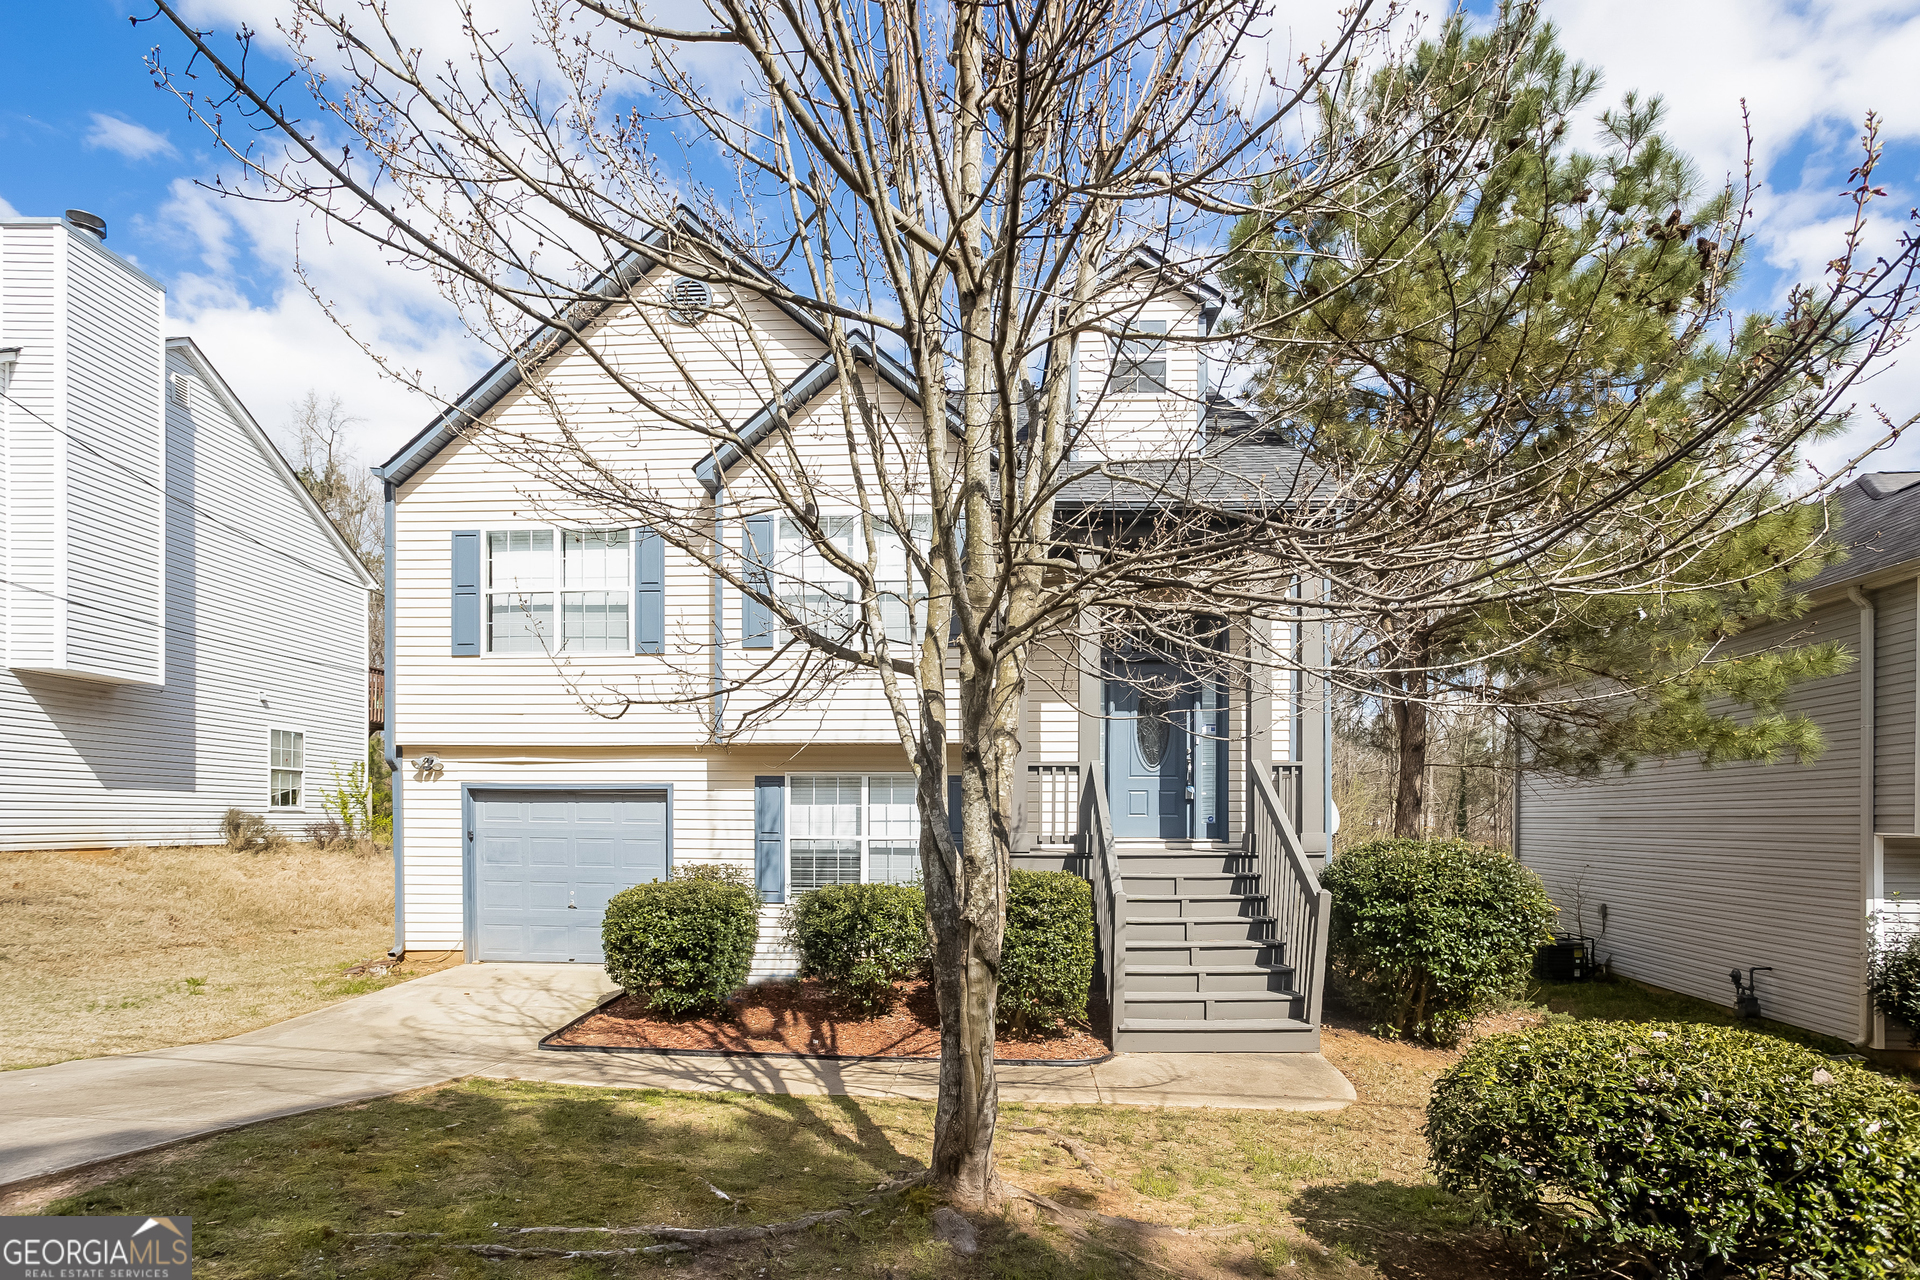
x=487 y=1020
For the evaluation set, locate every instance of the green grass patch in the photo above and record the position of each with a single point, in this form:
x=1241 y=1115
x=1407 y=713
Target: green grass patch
x=1626 y=1001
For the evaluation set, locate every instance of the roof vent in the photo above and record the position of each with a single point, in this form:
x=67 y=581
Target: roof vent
x=690 y=299
x=88 y=222
x=1884 y=484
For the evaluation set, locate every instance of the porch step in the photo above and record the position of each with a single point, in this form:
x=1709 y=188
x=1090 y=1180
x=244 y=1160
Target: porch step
x=1236 y=1035
x=1197 y=928
x=1208 y=1006
x=1271 y=978
x=1164 y=859
x=1201 y=884
x=1204 y=953
x=1163 y=905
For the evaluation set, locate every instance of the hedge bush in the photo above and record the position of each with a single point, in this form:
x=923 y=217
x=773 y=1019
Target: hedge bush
x=684 y=944
x=860 y=939
x=1679 y=1150
x=1046 y=961
x=1428 y=935
x=1893 y=978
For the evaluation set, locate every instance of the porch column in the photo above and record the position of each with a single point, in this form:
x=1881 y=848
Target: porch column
x=1316 y=726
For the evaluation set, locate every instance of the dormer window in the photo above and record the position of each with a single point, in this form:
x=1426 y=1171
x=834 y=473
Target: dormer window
x=1140 y=364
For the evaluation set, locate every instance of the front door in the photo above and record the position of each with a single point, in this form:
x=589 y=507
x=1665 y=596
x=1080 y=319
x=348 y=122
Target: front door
x=1149 y=710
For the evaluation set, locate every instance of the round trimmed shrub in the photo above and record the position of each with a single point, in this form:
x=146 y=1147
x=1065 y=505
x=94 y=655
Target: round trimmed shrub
x=682 y=945
x=1427 y=935
x=1679 y=1150
x=860 y=939
x=1046 y=959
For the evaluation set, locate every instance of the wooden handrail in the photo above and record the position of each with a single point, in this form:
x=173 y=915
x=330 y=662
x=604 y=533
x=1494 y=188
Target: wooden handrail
x=1095 y=840
x=1300 y=908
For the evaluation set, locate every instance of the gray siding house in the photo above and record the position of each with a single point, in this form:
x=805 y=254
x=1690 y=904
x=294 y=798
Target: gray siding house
x=1683 y=873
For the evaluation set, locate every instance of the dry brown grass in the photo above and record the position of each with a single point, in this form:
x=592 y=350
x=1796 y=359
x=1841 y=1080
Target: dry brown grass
x=115 y=951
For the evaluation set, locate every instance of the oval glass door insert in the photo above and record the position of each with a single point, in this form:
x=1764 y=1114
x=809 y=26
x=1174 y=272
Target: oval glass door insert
x=1150 y=730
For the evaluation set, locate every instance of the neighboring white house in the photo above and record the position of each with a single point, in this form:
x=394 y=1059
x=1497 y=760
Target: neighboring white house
x=183 y=631
x=1683 y=873
x=518 y=812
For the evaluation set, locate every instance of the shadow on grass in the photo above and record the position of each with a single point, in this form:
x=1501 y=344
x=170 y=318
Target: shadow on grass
x=1408 y=1232
x=1624 y=1000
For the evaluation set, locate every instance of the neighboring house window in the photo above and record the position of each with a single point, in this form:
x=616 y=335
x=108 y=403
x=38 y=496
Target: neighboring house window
x=846 y=828
x=810 y=585
x=1140 y=363
x=286 y=765
x=593 y=571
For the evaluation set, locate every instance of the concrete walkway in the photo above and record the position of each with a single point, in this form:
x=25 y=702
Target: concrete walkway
x=486 y=1020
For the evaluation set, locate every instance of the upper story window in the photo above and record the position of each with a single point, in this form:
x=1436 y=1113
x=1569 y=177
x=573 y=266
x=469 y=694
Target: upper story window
x=1140 y=360
x=286 y=768
x=589 y=571
x=813 y=586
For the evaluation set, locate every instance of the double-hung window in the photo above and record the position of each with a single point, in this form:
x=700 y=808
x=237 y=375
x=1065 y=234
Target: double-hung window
x=1140 y=360
x=591 y=573
x=286 y=768
x=849 y=828
x=811 y=585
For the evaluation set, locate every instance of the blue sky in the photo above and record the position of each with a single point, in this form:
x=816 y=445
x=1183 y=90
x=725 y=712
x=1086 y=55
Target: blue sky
x=83 y=126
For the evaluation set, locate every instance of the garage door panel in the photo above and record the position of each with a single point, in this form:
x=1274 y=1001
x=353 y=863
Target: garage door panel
x=550 y=860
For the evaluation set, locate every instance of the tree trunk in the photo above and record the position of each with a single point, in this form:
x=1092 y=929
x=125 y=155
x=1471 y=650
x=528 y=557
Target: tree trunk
x=1410 y=718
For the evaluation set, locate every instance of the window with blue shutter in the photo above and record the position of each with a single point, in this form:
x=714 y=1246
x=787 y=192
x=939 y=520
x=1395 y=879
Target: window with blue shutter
x=770 y=837
x=466 y=593
x=649 y=592
x=756 y=547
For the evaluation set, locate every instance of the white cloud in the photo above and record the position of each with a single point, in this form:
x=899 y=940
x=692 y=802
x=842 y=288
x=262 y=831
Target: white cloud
x=7 y=210
x=273 y=350
x=134 y=141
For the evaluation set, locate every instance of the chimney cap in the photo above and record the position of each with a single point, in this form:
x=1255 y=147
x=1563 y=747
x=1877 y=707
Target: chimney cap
x=88 y=222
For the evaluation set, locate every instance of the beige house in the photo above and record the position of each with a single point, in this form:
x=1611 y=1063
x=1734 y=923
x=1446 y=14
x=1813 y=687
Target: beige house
x=1683 y=873
x=521 y=622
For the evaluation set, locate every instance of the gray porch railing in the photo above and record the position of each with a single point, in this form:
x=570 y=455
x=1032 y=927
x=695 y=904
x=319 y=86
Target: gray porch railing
x=1289 y=784
x=1053 y=803
x=1299 y=906
x=1109 y=893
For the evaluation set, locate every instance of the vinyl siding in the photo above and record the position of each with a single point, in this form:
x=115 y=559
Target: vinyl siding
x=712 y=817
x=1893 y=717
x=1703 y=870
x=32 y=288
x=266 y=628
x=115 y=429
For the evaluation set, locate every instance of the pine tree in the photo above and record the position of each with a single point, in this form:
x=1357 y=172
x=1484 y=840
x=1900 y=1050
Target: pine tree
x=1529 y=323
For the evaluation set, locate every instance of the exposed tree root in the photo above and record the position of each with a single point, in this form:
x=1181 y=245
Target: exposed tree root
x=1073 y=1148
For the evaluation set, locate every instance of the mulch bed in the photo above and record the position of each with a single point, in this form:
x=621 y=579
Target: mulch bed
x=802 y=1018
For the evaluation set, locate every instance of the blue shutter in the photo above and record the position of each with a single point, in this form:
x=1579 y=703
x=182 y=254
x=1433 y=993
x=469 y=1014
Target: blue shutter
x=756 y=620
x=649 y=592
x=953 y=808
x=466 y=593
x=770 y=837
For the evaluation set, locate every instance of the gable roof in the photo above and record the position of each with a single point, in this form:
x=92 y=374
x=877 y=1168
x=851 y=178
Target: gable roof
x=607 y=289
x=1878 y=526
x=191 y=352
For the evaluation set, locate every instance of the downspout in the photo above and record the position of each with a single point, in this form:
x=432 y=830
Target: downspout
x=1867 y=701
x=389 y=738
x=718 y=603
x=1332 y=815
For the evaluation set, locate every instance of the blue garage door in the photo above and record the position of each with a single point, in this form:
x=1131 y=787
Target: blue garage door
x=545 y=863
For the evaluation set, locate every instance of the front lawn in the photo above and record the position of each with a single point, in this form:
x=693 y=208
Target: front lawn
x=1341 y=1194
x=130 y=949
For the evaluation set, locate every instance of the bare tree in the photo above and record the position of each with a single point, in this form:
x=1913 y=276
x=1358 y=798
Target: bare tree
x=315 y=439
x=956 y=199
